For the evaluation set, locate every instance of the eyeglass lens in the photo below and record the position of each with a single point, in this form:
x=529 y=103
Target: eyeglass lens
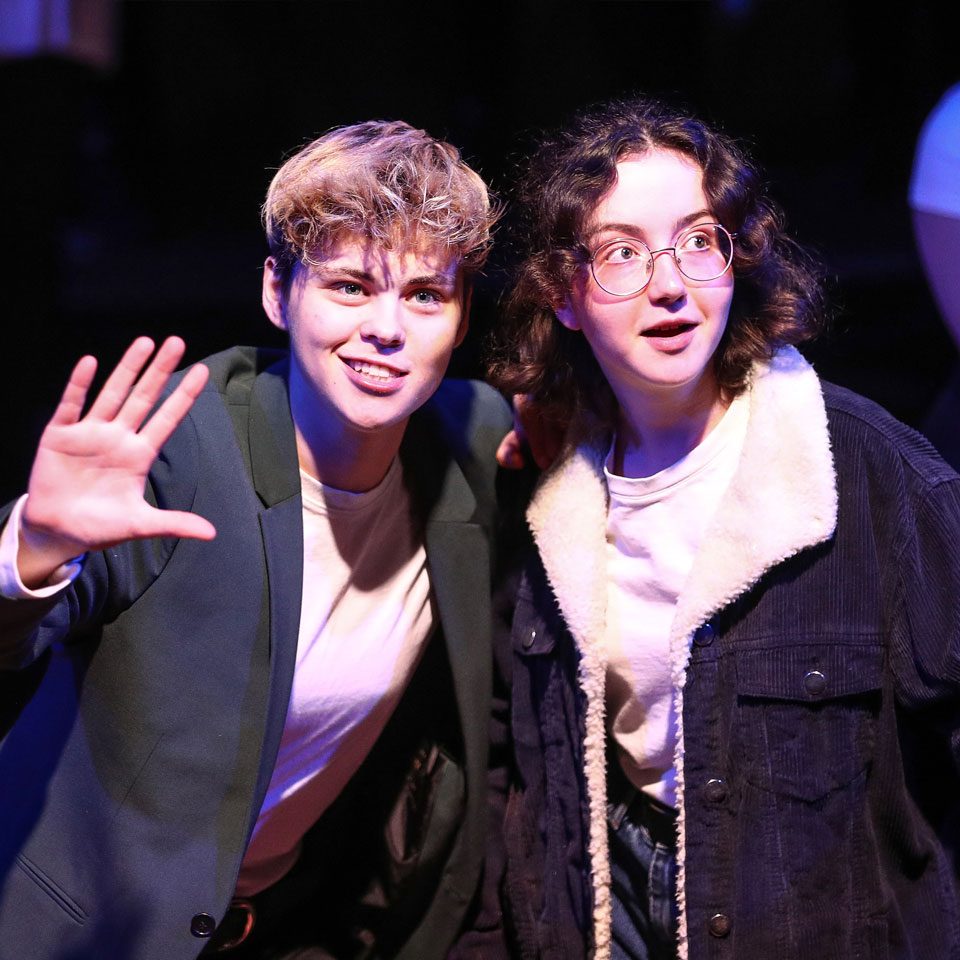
x=625 y=265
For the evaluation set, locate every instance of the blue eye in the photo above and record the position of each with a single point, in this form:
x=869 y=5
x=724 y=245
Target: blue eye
x=426 y=297
x=350 y=288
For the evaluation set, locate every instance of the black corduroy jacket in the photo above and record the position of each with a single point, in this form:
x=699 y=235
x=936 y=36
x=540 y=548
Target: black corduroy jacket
x=816 y=657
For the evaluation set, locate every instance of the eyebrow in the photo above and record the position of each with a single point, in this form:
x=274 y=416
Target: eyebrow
x=427 y=280
x=432 y=280
x=326 y=270
x=634 y=230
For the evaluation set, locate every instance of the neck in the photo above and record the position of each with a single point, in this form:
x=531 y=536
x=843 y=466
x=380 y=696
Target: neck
x=655 y=432
x=338 y=463
x=337 y=454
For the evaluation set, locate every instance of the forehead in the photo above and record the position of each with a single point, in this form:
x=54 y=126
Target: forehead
x=398 y=261
x=654 y=190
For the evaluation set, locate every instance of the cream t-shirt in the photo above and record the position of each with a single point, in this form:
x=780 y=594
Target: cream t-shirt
x=365 y=618
x=654 y=528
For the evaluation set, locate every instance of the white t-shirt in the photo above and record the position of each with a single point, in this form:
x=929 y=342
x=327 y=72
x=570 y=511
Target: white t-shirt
x=654 y=528
x=365 y=618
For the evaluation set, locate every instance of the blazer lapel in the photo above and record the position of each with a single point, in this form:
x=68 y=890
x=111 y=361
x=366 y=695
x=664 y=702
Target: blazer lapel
x=459 y=562
x=276 y=478
x=458 y=558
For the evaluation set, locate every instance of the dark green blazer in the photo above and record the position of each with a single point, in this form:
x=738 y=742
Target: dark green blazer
x=141 y=710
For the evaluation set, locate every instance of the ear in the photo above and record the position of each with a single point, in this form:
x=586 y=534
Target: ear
x=274 y=302
x=464 y=314
x=564 y=313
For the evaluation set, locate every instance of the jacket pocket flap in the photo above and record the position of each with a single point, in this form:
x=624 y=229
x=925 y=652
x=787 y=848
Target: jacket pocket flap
x=810 y=672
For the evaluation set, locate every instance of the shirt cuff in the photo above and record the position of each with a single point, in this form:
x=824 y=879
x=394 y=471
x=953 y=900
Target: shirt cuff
x=11 y=586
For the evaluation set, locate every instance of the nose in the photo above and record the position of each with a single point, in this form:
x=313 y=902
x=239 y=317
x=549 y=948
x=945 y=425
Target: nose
x=666 y=284
x=383 y=323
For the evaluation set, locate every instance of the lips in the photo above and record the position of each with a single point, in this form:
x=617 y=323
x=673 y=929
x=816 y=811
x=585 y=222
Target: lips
x=669 y=328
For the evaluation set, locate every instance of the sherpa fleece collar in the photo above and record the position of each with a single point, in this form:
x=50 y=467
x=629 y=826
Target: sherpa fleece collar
x=782 y=500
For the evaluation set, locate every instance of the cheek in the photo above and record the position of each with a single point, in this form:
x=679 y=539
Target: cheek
x=450 y=331
x=434 y=351
x=723 y=309
x=714 y=303
x=613 y=331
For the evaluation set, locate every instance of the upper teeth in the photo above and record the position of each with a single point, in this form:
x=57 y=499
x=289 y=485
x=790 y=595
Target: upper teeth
x=372 y=369
x=667 y=328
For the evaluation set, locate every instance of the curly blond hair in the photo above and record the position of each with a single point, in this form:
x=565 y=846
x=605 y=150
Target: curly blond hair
x=384 y=181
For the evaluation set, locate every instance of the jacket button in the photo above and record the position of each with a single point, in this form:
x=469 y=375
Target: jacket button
x=704 y=635
x=715 y=790
x=719 y=925
x=815 y=683
x=202 y=925
x=529 y=639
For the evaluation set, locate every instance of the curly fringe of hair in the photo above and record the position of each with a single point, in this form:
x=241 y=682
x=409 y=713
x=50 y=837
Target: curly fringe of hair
x=383 y=181
x=778 y=295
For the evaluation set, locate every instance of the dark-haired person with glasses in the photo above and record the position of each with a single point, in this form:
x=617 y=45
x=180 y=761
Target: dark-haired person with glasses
x=735 y=655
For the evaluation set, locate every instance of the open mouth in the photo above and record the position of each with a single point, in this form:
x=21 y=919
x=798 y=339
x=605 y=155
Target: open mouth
x=373 y=371
x=670 y=329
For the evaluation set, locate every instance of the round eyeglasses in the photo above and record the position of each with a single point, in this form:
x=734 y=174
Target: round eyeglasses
x=624 y=266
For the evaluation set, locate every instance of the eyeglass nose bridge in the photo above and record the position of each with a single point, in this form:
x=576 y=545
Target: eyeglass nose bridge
x=653 y=254
x=652 y=259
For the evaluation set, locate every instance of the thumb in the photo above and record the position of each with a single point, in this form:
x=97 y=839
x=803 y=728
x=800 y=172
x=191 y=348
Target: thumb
x=178 y=523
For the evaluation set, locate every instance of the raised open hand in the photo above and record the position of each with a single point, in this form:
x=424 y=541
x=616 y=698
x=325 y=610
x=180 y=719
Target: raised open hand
x=87 y=481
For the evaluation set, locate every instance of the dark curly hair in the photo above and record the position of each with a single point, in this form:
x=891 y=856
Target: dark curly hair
x=778 y=295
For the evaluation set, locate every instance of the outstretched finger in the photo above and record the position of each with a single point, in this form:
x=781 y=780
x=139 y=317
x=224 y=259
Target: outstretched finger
x=167 y=418
x=74 y=394
x=117 y=387
x=146 y=391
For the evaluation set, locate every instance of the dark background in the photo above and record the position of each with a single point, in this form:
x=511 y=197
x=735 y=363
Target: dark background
x=130 y=198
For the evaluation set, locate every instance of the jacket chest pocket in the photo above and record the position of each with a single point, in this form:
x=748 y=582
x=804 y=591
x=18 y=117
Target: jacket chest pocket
x=806 y=716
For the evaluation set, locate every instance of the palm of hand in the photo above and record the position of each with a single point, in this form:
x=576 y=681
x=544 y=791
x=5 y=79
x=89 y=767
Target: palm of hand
x=87 y=483
x=104 y=464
